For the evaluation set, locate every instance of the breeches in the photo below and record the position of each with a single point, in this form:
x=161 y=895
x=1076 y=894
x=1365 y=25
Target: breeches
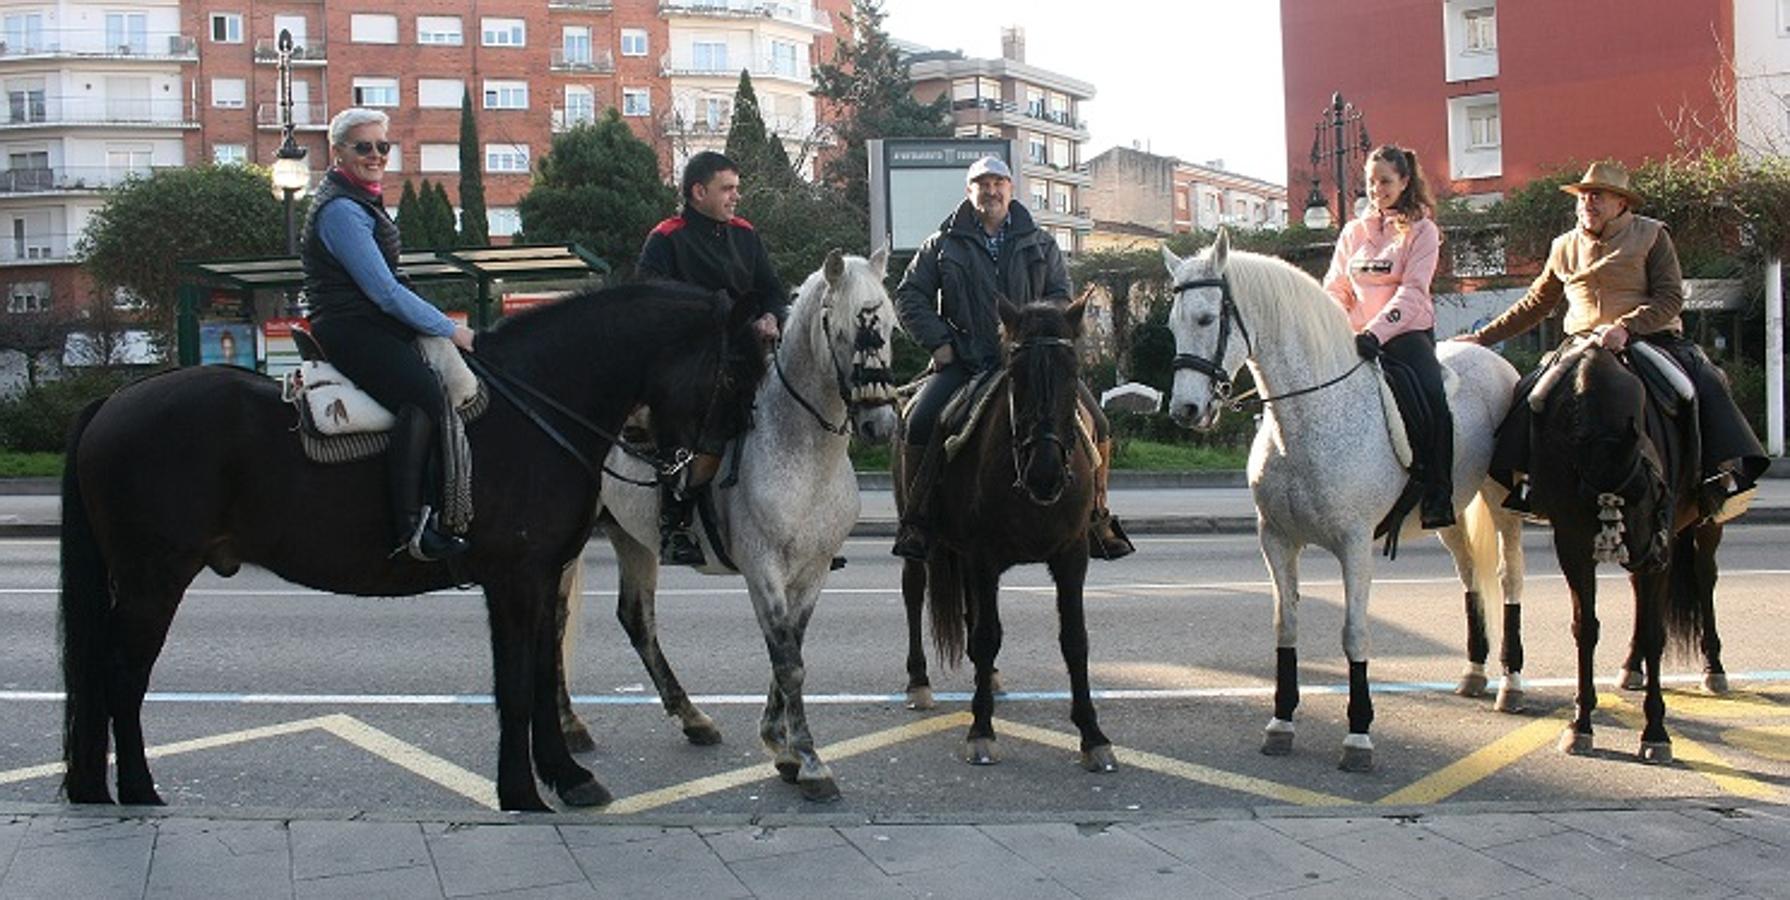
x=382 y=363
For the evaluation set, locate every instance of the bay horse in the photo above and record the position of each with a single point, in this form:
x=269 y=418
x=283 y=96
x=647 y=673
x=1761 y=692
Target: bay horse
x=1621 y=486
x=1323 y=469
x=784 y=516
x=1019 y=490
x=201 y=467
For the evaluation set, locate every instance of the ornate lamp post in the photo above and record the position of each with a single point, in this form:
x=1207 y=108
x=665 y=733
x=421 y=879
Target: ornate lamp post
x=1339 y=138
x=291 y=176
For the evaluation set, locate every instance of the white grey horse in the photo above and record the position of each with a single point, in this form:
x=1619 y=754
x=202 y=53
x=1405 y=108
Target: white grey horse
x=1324 y=469
x=787 y=516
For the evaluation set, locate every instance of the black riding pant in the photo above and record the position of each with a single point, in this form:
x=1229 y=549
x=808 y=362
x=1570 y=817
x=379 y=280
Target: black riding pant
x=923 y=418
x=1416 y=350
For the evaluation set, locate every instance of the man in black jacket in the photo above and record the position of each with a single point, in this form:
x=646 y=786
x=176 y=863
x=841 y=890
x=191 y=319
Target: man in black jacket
x=708 y=246
x=988 y=248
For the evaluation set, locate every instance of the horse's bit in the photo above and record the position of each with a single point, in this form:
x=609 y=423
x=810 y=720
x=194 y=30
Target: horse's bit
x=1021 y=447
x=866 y=342
x=1213 y=368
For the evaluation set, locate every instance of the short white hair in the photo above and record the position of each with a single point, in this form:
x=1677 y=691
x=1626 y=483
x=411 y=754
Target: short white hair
x=351 y=118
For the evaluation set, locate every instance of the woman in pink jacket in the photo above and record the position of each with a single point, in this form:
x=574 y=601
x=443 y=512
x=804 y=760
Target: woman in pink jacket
x=1381 y=274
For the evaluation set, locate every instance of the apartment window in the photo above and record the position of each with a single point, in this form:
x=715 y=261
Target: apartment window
x=1035 y=150
x=1065 y=240
x=375 y=91
x=574 y=42
x=28 y=296
x=25 y=100
x=506 y=95
x=229 y=93
x=394 y=161
x=1481 y=32
x=226 y=28
x=633 y=42
x=31 y=238
x=1040 y=194
x=1475 y=136
x=132 y=159
x=439 y=158
x=230 y=154
x=439 y=93
x=711 y=114
x=1181 y=202
x=581 y=106
x=1470 y=39
x=1059 y=153
x=783 y=58
x=1784 y=18
x=1483 y=129
x=24 y=32
x=371 y=28
x=296 y=25
x=1060 y=198
x=637 y=102
x=442 y=30
x=1034 y=102
x=503 y=32
x=506 y=158
x=708 y=56
x=128 y=32
x=502 y=221
x=18 y=161
x=1059 y=108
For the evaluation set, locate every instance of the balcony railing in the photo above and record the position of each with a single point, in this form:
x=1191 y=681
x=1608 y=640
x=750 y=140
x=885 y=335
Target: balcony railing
x=308 y=51
x=587 y=5
x=43 y=247
x=567 y=118
x=305 y=116
x=69 y=178
x=581 y=61
x=803 y=14
x=171 y=112
x=684 y=64
x=1009 y=108
x=87 y=43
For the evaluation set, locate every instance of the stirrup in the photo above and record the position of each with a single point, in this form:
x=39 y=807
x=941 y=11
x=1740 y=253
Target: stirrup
x=679 y=548
x=911 y=542
x=428 y=545
x=1107 y=539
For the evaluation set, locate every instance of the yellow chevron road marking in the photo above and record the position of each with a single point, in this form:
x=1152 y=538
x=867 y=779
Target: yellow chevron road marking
x=1478 y=765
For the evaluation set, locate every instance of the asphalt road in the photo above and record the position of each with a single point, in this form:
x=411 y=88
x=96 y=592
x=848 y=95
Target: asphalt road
x=272 y=696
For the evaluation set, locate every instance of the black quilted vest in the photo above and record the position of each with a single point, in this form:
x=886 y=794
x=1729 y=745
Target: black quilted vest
x=330 y=289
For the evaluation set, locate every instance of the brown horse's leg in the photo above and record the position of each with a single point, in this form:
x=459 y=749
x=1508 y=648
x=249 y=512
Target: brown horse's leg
x=1706 y=539
x=139 y=623
x=1069 y=569
x=982 y=584
x=515 y=609
x=1650 y=626
x=571 y=603
x=1574 y=553
x=634 y=608
x=552 y=757
x=913 y=595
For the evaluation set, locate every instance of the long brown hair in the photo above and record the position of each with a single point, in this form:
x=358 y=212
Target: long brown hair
x=1415 y=203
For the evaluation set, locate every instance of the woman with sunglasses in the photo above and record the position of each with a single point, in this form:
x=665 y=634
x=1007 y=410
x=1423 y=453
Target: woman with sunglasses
x=367 y=320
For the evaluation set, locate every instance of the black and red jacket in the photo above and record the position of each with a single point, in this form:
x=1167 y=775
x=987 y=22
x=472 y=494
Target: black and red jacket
x=721 y=256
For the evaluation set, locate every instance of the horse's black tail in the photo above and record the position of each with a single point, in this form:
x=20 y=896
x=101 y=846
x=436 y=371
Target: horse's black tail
x=86 y=599
x=944 y=593
x=1687 y=610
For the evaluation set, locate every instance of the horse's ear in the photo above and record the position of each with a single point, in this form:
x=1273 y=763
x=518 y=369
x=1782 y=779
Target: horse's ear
x=1073 y=314
x=1221 y=250
x=835 y=267
x=879 y=261
x=1171 y=260
x=1009 y=313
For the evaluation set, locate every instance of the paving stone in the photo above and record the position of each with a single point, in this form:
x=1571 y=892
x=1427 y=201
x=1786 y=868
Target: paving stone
x=103 y=869
x=901 y=849
x=1247 y=857
x=576 y=891
x=52 y=831
x=1754 y=866
x=1357 y=888
x=672 y=862
x=1105 y=862
x=738 y=844
x=410 y=883
x=577 y=836
x=1650 y=832
x=485 y=859
x=1010 y=879
x=1541 y=892
x=251 y=860
x=1490 y=829
x=837 y=872
x=12 y=834
x=1423 y=863
x=1309 y=828
x=327 y=849
x=1768 y=824
x=1598 y=868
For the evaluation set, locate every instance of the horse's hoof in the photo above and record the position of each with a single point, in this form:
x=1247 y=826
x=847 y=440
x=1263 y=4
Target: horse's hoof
x=1656 y=753
x=1277 y=743
x=590 y=793
x=788 y=770
x=1472 y=684
x=531 y=802
x=920 y=698
x=578 y=739
x=1715 y=682
x=819 y=790
x=1099 y=759
x=87 y=795
x=994 y=682
x=1356 y=759
x=702 y=731
x=143 y=796
x=1631 y=680
x=1575 y=743
x=980 y=752
x=1510 y=700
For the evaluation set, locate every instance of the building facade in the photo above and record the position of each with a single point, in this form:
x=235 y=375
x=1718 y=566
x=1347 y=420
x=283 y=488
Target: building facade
x=1494 y=93
x=1039 y=110
x=98 y=91
x=1168 y=195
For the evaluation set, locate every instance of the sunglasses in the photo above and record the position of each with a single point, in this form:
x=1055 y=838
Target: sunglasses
x=367 y=148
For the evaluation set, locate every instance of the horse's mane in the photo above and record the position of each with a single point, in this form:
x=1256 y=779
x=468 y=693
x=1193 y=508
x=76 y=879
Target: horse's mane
x=657 y=312
x=1283 y=299
x=807 y=303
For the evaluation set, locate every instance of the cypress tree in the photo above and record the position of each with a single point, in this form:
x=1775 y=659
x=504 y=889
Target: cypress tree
x=410 y=225
x=474 y=230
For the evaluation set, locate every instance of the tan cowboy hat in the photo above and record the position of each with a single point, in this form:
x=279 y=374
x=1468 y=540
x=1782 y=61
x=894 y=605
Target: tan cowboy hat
x=1605 y=176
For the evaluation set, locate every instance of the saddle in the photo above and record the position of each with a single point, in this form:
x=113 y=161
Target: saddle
x=966 y=409
x=340 y=423
x=1409 y=419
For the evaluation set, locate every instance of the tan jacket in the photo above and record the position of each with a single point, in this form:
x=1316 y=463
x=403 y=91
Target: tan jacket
x=1628 y=275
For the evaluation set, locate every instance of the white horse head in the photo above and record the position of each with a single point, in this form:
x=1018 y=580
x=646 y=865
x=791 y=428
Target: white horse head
x=853 y=331
x=1211 y=343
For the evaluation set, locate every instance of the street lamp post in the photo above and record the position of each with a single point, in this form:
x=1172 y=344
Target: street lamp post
x=1339 y=138
x=290 y=173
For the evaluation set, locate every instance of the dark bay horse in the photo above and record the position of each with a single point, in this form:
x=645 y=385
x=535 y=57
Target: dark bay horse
x=1621 y=487
x=200 y=468
x=1020 y=490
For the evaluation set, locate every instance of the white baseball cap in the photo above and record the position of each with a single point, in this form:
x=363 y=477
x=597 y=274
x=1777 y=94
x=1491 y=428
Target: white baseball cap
x=988 y=165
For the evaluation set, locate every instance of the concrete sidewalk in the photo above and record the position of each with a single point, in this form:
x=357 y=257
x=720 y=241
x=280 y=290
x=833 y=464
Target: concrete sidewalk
x=1677 y=849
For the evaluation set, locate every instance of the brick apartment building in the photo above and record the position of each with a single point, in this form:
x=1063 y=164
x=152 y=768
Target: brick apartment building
x=99 y=91
x=1165 y=195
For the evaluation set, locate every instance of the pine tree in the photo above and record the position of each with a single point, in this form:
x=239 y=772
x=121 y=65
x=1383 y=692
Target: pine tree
x=746 y=133
x=441 y=218
x=410 y=225
x=598 y=187
x=474 y=229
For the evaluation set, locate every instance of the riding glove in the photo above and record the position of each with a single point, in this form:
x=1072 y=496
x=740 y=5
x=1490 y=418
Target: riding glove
x=1367 y=345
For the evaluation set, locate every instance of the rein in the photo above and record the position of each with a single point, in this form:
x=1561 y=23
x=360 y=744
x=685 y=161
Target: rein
x=1213 y=367
x=864 y=341
x=1031 y=441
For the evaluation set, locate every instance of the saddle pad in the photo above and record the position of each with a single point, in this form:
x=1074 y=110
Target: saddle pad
x=337 y=407
x=965 y=410
x=1661 y=372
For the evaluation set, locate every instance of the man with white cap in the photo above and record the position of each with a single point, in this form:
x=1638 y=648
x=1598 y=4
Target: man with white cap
x=988 y=248
x=1618 y=274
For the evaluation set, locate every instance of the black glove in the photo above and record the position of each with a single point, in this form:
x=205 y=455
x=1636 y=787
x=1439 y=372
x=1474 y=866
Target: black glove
x=1367 y=345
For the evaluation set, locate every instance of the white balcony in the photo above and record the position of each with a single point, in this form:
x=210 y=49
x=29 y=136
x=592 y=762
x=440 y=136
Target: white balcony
x=582 y=5
x=683 y=64
x=68 y=179
x=563 y=60
x=566 y=119
x=99 y=44
x=802 y=14
x=24 y=110
x=305 y=116
x=307 y=52
x=41 y=248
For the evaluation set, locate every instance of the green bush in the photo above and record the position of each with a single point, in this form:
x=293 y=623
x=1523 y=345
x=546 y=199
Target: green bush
x=1747 y=380
x=37 y=420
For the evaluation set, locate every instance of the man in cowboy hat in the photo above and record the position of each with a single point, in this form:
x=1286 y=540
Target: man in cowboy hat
x=1618 y=274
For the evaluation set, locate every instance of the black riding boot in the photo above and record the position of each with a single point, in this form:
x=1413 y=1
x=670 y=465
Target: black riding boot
x=1436 y=509
x=913 y=539
x=677 y=543
x=407 y=465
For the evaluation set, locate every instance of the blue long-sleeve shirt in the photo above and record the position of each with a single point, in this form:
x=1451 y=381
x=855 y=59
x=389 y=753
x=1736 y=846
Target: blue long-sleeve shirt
x=347 y=232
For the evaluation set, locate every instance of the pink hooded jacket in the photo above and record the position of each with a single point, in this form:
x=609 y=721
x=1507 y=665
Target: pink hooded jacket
x=1381 y=274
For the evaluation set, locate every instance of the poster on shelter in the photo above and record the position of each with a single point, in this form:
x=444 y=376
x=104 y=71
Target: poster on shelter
x=227 y=343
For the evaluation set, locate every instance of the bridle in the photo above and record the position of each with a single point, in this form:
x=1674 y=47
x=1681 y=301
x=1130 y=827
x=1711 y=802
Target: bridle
x=1213 y=367
x=1042 y=432
x=852 y=385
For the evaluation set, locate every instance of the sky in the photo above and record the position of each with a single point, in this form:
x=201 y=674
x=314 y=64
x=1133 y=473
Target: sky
x=1195 y=79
